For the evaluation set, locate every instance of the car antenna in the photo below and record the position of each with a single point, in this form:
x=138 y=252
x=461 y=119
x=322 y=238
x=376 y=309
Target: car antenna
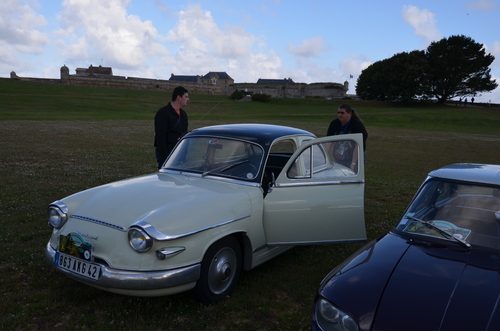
x=207 y=112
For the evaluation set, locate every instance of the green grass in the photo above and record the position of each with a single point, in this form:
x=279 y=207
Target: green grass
x=56 y=140
x=34 y=101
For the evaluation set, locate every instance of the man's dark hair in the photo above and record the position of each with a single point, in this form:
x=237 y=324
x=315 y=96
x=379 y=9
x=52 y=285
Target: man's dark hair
x=178 y=91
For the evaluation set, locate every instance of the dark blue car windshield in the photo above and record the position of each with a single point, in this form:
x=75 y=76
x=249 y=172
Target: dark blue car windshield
x=466 y=211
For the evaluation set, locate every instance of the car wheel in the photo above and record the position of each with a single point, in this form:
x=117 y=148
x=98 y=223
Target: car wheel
x=220 y=269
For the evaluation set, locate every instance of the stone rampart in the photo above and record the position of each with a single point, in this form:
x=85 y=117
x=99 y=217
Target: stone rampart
x=136 y=83
x=131 y=83
x=295 y=90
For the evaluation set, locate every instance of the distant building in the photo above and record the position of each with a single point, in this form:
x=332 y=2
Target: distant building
x=217 y=79
x=94 y=71
x=275 y=81
x=185 y=78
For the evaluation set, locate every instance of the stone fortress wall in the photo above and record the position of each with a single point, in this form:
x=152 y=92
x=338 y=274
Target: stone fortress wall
x=296 y=90
x=293 y=90
x=133 y=83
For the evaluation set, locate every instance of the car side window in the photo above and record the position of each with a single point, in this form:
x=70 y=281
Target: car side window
x=298 y=168
x=312 y=157
x=286 y=146
x=320 y=161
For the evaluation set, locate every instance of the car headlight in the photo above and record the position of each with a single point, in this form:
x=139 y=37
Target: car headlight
x=57 y=214
x=332 y=318
x=139 y=240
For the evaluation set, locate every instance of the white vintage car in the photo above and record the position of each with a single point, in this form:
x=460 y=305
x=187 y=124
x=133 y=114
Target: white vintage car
x=228 y=198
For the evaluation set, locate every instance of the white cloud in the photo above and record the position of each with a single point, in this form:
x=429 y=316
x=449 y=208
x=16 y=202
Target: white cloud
x=309 y=71
x=7 y=54
x=204 y=47
x=76 y=52
x=312 y=73
x=354 y=65
x=50 y=70
x=424 y=23
x=255 y=66
x=197 y=32
x=308 y=47
x=495 y=51
x=19 y=24
x=104 y=30
x=482 y=5
x=12 y=60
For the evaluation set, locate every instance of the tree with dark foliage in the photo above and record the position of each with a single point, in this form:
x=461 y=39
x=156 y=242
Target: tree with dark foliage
x=398 y=78
x=459 y=67
x=452 y=67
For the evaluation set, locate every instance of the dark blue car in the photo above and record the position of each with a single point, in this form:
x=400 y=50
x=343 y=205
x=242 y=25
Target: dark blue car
x=438 y=269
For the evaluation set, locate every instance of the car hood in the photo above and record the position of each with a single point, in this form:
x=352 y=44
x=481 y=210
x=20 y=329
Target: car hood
x=165 y=201
x=395 y=285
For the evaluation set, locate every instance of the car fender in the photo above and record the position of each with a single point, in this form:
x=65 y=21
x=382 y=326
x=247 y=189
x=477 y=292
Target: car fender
x=355 y=286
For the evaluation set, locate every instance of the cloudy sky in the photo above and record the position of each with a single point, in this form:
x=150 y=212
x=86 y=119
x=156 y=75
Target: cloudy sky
x=308 y=41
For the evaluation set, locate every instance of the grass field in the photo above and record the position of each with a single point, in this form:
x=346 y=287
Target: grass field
x=57 y=140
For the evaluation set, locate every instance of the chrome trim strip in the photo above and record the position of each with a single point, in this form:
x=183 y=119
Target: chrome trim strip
x=309 y=183
x=61 y=205
x=301 y=243
x=133 y=279
x=153 y=232
x=171 y=251
x=94 y=220
x=256 y=249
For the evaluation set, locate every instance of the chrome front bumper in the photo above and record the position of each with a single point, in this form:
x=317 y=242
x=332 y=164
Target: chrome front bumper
x=133 y=280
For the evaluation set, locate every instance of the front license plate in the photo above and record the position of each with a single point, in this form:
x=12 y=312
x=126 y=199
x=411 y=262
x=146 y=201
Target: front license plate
x=77 y=266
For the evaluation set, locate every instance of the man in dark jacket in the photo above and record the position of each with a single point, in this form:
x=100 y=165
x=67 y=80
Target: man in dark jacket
x=171 y=123
x=347 y=121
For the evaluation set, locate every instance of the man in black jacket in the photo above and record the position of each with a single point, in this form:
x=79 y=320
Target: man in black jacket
x=171 y=123
x=347 y=121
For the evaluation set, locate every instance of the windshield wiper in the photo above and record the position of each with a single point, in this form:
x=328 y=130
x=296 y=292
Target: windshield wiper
x=224 y=168
x=441 y=231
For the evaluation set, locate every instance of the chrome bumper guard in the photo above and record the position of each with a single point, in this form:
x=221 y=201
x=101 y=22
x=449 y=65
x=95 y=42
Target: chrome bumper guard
x=131 y=279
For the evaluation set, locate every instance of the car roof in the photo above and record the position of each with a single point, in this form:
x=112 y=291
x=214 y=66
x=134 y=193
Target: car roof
x=262 y=134
x=471 y=172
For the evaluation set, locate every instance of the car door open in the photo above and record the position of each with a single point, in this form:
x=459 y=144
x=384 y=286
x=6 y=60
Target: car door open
x=319 y=195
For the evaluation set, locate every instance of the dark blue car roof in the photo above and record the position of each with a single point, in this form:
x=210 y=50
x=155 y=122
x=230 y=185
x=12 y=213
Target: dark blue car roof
x=262 y=134
x=470 y=172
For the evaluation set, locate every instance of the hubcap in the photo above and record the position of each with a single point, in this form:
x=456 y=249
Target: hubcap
x=220 y=275
x=225 y=271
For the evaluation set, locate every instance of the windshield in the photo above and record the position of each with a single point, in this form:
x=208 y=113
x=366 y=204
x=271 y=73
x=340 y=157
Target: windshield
x=467 y=213
x=217 y=156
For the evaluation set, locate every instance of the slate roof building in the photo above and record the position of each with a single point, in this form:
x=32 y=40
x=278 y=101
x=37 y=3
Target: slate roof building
x=94 y=71
x=219 y=79
x=275 y=81
x=185 y=78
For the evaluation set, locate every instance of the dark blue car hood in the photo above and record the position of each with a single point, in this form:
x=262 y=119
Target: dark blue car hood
x=392 y=284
